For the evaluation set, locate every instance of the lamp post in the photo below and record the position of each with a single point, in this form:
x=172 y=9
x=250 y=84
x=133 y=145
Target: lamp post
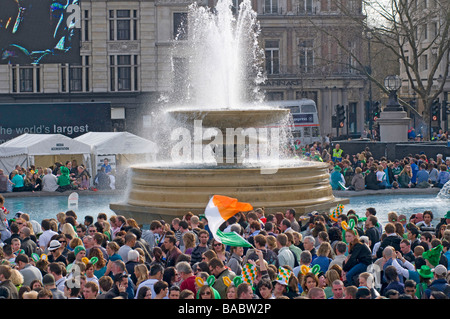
x=393 y=121
x=393 y=83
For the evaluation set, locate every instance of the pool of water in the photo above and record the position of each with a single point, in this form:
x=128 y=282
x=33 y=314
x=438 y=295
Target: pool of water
x=47 y=207
x=40 y=208
x=401 y=204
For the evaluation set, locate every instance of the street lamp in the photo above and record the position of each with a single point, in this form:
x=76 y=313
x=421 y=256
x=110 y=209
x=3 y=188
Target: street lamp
x=393 y=83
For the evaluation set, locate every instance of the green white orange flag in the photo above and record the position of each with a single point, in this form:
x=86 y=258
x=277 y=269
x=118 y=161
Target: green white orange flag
x=220 y=209
x=232 y=239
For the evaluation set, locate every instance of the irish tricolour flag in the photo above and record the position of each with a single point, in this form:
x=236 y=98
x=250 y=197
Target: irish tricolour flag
x=220 y=209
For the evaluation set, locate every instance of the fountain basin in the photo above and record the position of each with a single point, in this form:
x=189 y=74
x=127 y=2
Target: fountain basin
x=231 y=118
x=165 y=193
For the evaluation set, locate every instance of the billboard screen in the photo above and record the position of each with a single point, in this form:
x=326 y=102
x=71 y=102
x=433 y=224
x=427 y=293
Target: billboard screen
x=69 y=119
x=40 y=31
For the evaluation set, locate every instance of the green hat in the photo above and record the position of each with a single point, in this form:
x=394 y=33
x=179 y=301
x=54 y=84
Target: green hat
x=433 y=255
x=425 y=272
x=447 y=215
x=77 y=249
x=337 y=168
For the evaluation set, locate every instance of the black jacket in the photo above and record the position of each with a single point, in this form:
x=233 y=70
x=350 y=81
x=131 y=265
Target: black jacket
x=371 y=181
x=392 y=240
x=360 y=254
x=374 y=236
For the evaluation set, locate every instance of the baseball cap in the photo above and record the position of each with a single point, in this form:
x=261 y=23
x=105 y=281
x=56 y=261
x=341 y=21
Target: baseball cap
x=440 y=270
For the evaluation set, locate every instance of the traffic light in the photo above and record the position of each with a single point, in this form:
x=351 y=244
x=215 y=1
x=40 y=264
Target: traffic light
x=446 y=107
x=435 y=109
x=334 y=122
x=376 y=110
x=340 y=113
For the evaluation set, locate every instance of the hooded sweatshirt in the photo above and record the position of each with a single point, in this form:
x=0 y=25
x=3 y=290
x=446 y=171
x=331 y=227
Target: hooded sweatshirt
x=64 y=178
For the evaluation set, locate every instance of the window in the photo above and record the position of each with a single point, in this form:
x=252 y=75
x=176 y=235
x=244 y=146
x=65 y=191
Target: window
x=122 y=25
x=123 y=72
x=351 y=57
x=275 y=96
x=307 y=132
x=306 y=56
x=424 y=62
x=85 y=34
x=315 y=131
x=272 y=55
x=270 y=6
x=309 y=108
x=435 y=29
x=294 y=109
x=305 y=6
x=25 y=79
x=75 y=78
x=180 y=25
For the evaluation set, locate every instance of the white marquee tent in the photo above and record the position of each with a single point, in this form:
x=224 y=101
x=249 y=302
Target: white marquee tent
x=121 y=148
x=42 y=150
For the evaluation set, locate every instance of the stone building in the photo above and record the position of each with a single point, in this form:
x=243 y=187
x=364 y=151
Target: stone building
x=125 y=48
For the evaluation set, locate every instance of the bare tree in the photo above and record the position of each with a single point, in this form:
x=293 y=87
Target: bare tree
x=415 y=32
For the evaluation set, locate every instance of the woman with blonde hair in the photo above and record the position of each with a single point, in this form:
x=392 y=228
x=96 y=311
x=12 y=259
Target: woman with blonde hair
x=366 y=279
x=271 y=242
x=323 y=259
x=67 y=229
x=404 y=178
x=141 y=273
x=107 y=230
x=189 y=242
x=61 y=218
x=330 y=276
x=16 y=278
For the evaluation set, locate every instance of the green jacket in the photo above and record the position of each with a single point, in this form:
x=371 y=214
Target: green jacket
x=219 y=284
x=64 y=178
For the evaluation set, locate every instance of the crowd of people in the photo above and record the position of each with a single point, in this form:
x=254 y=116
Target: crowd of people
x=321 y=255
x=361 y=171
x=57 y=178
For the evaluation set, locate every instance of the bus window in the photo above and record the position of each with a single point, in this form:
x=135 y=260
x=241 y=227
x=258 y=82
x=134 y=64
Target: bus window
x=315 y=131
x=297 y=134
x=308 y=108
x=307 y=132
x=294 y=109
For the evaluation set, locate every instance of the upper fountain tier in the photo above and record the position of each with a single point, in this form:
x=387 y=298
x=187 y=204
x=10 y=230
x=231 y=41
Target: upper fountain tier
x=231 y=118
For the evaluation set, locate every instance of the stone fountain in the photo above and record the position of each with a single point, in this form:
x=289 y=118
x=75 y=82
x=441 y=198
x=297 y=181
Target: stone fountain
x=229 y=151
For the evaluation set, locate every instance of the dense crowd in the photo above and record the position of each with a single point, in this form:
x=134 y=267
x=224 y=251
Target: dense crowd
x=57 y=178
x=321 y=255
x=361 y=171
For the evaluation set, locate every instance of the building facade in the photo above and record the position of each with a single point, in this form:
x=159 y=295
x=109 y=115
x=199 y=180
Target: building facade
x=429 y=25
x=125 y=59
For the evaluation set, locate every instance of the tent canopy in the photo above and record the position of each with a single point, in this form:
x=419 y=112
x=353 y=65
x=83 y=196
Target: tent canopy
x=42 y=144
x=103 y=143
x=42 y=150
